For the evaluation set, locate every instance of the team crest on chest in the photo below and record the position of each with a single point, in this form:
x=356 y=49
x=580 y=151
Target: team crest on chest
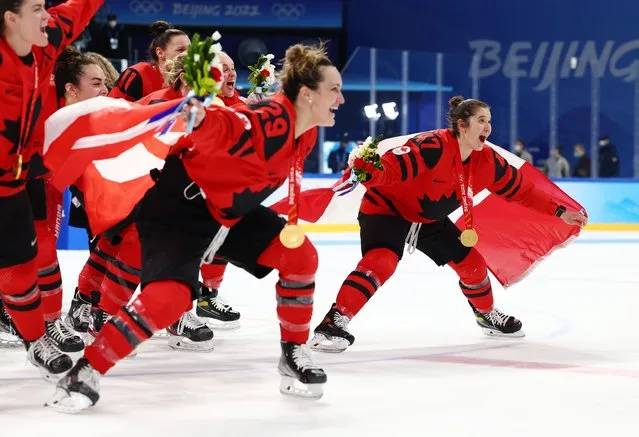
x=401 y=150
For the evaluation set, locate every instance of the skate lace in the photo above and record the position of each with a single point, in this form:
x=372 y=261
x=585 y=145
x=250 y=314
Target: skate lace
x=46 y=350
x=220 y=304
x=189 y=321
x=497 y=318
x=83 y=313
x=302 y=357
x=10 y=326
x=57 y=331
x=341 y=321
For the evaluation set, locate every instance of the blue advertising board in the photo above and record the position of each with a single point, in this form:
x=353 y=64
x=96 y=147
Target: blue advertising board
x=325 y=14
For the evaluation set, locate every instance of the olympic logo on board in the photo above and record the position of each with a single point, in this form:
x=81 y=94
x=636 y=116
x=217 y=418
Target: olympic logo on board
x=288 y=10
x=146 y=7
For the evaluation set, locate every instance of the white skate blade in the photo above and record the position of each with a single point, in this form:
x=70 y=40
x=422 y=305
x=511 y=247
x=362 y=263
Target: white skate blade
x=9 y=341
x=495 y=333
x=160 y=335
x=322 y=343
x=291 y=387
x=70 y=403
x=219 y=325
x=184 y=344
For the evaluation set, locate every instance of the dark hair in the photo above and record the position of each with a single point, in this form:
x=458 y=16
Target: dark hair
x=68 y=69
x=162 y=33
x=301 y=68
x=461 y=109
x=8 y=5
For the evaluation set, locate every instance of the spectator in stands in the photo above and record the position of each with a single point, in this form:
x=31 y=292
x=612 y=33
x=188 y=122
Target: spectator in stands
x=338 y=158
x=556 y=165
x=520 y=150
x=582 y=168
x=608 y=159
x=112 y=40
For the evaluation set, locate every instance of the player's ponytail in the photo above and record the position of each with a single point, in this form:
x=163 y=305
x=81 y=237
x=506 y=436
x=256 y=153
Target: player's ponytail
x=460 y=109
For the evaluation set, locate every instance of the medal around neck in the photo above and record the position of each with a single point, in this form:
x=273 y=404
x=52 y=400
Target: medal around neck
x=469 y=237
x=292 y=236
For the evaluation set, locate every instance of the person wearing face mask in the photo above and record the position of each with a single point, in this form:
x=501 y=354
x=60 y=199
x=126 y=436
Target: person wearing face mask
x=556 y=166
x=32 y=38
x=520 y=150
x=112 y=40
x=143 y=78
x=422 y=182
x=582 y=168
x=207 y=201
x=608 y=159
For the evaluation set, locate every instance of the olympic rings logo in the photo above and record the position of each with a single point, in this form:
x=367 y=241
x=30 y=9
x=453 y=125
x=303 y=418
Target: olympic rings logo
x=146 y=7
x=288 y=10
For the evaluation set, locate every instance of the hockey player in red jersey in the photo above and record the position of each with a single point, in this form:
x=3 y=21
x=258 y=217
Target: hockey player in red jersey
x=207 y=201
x=32 y=39
x=421 y=183
x=143 y=78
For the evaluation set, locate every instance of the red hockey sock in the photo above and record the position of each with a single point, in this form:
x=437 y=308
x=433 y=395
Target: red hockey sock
x=92 y=273
x=49 y=277
x=295 y=288
x=361 y=284
x=213 y=274
x=21 y=298
x=123 y=272
x=474 y=281
x=158 y=305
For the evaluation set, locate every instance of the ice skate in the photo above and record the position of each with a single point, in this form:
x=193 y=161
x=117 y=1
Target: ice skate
x=62 y=337
x=79 y=315
x=9 y=337
x=77 y=391
x=301 y=377
x=52 y=363
x=498 y=324
x=215 y=312
x=190 y=334
x=332 y=334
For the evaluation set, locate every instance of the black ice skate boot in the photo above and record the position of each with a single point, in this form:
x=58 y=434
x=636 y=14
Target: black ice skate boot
x=498 y=324
x=79 y=315
x=214 y=310
x=62 y=337
x=52 y=363
x=77 y=391
x=301 y=377
x=9 y=336
x=332 y=334
x=190 y=334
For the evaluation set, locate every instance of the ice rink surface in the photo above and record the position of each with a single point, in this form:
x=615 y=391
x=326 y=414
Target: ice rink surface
x=419 y=367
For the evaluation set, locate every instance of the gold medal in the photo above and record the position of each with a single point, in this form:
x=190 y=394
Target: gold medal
x=17 y=168
x=292 y=236
x=469 y=237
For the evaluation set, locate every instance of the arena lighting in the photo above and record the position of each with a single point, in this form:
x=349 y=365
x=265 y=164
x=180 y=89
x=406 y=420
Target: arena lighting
x=390 y=110
x=371 y=112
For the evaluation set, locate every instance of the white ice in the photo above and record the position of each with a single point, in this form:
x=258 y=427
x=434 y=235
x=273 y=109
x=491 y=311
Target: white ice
x=419 y=366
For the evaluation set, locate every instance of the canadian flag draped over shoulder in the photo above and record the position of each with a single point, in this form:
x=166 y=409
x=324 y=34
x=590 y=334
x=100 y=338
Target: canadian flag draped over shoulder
x=512 y=237
x=106 y=147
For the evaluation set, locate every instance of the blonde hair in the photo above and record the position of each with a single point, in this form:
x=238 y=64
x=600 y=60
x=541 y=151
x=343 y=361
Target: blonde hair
x=302 y=68
x=110 y=73
x=174 y=67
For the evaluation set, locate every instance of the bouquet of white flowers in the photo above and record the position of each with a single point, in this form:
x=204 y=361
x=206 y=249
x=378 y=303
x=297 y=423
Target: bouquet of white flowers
x=364 y=158
x=262 y=75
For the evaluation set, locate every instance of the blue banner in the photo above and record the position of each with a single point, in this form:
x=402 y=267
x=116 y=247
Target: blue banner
x=325 y=14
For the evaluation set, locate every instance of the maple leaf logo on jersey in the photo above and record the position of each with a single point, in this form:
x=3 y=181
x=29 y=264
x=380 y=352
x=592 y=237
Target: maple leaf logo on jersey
x=245 y=201
x=437 y=209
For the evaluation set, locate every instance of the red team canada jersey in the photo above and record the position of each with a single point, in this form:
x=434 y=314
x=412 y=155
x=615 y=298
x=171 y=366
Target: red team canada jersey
x=138 y=81
x=21 y=112
x=243 y=155
x=419 y=181
x=235 y=99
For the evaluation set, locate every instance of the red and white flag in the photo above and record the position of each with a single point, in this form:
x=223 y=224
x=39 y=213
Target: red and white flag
x=513 y=237
x=107 y=147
